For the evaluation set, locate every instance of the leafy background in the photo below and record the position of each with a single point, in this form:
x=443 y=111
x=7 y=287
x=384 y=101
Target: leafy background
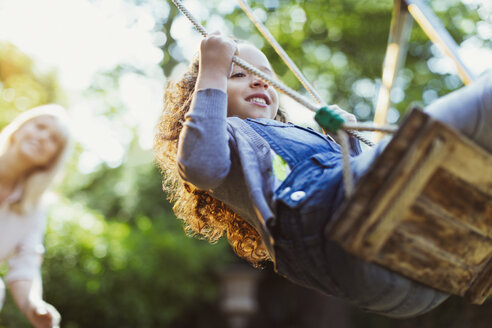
x=117 y=257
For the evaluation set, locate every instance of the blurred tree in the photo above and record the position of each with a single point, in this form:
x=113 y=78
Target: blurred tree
x=21 y=86
x=126 y=275
x=115 y=254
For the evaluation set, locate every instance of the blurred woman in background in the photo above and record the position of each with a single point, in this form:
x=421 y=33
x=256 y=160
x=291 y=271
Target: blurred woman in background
x=32 y=150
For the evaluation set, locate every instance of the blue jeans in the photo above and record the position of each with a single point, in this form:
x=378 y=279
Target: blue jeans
x=306 y=257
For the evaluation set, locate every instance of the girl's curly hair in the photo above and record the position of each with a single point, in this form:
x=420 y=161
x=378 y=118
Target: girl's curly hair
x=204 y=216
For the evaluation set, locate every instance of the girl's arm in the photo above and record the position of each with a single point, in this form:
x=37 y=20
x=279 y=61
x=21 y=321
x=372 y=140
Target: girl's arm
x=203 y=150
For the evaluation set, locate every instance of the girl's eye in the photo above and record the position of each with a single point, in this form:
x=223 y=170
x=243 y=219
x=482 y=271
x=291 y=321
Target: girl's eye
x=238 y=74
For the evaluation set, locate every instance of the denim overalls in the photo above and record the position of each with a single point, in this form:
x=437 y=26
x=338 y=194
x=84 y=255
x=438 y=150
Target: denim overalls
x=305 y=202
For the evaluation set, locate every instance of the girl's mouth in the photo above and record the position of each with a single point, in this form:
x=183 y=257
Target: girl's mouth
x=258 y=99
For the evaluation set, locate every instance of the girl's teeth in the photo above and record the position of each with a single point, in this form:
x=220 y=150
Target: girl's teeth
x=258 y=100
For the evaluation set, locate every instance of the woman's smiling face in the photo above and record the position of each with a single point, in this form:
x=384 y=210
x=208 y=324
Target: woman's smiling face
x=38 y=140
x=247 y=95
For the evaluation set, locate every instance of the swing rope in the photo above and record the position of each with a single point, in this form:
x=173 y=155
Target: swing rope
x=292 y=66
x=288 y=91
x=324 y=116
x=277 y=85
x=281 y=52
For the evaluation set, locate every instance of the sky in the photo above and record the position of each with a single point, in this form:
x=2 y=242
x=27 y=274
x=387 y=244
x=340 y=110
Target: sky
x=81 y=38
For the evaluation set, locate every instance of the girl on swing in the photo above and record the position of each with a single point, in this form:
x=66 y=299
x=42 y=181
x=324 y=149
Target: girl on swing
x=232 y=166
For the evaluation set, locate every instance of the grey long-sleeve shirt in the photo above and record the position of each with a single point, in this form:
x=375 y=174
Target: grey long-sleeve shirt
x=226 y=157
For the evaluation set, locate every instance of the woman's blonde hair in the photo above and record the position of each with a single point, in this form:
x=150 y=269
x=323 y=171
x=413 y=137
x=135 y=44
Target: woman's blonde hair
x=204 y=216
x=39 y=180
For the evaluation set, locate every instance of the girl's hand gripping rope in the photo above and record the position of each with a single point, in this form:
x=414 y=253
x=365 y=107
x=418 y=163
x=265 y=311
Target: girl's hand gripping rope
x=347 y=117
x=332 y=118
x=216 y=52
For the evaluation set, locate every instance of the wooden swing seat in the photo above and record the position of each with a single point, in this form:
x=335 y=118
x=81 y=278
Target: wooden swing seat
x=424 y=209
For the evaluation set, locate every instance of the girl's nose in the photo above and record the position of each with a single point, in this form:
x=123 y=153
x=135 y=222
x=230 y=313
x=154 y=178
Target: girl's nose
x=257 y=83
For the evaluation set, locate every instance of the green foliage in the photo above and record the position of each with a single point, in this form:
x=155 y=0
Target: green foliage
x=129 y=269
x=145 y=275
x=126 y=257
x=21 y=86
x=340 y=45
x=116 y=256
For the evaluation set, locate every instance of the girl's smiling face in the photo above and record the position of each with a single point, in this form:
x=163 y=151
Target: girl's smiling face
x=247 y=95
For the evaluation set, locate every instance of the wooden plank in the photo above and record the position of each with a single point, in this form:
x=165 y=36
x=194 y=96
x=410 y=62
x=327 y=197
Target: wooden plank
x=407 y=185
x=357 y=208
x=413 y=259
x=481 y=287
x=472 y=207
x=470 y=162
x=436 y=251
x=442 y=233
x=424 y=209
